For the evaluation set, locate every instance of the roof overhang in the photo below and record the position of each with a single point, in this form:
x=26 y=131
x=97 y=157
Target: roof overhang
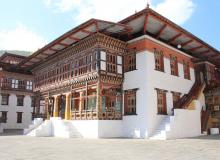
x=150 y=22
x=84 y=30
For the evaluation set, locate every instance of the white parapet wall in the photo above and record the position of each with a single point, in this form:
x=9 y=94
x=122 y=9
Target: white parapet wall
x=186 y=123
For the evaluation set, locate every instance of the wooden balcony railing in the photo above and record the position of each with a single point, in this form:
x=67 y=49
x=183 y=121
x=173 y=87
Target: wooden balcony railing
x=8 y=86
x=193 y=94
x=93 y=115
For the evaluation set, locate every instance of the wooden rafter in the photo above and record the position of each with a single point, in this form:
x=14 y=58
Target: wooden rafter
x=86 y=31
x=63 y=44
x=161 y=30
x=187 y=42
x=203 y=52
x=195 y=48
x=97 y=26
x=74 y=38
x=145 y=23
x=174 y=38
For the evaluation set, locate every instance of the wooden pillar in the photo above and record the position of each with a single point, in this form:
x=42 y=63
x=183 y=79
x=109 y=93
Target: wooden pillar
x=47 y=107
x=68 y=107
x=55 y=111
x=98 y=100
x=81 y=101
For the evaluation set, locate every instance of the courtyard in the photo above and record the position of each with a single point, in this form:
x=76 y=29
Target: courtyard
x=18 y=147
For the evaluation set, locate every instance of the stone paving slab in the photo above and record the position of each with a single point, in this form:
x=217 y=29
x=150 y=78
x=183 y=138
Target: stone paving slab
x=49 y=148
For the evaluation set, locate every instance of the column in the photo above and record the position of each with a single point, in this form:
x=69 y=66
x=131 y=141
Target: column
x=46 y=100
x=98 y=100
x=55 y=111
x=68 y=107
x=81 y=101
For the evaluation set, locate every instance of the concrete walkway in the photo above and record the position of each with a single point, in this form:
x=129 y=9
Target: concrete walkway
x=32 y=148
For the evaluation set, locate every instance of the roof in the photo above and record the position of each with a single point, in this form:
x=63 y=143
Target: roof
x=150 y=22
x=7 y=54
x=146 y=21
x=73 y=36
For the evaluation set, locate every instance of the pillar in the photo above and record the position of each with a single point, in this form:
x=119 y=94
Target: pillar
x=46 y=107
x=98 y=100
x=55 y=111
x=68 y=107
x=81 y=101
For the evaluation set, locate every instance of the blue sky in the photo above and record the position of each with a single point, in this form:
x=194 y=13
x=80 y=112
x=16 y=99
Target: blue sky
x=30 y=24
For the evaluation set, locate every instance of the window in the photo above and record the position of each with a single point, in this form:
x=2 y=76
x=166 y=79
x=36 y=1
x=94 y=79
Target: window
x=186 y=70
x=176 y=98
x=111 y=63
x=161 y=102
x=19 y=117
x=174 y=65
x=20 y=100
x=14 y=83
x=5 y=99
x=130 y=62
x=130 y=102
x=29 y=85
x=32 y=101
x=159 y=61
x=4 y=117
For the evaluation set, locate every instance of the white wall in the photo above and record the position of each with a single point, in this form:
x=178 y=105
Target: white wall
x=146 y=78
x=186 y=123
x=12 y=110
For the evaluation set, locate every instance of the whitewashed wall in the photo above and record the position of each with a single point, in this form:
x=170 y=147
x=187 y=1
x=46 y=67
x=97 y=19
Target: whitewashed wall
x=12 y=110
x=146 y=78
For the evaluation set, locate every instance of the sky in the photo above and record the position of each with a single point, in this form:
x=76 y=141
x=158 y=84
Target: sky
x=30 y=24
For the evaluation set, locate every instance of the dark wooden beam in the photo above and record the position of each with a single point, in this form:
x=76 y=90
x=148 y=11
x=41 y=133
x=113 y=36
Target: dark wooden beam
x=187 y=42
x=161 y=30
x=195 y=48
x=174 y=38
x=145 y=23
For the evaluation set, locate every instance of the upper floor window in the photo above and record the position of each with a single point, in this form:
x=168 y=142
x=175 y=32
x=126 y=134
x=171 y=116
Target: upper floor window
x=161 y=101
x=5 y=98
x=130 y=62
x=174 y=65
x=14 y=83
x=130 y=102
x=20 y=100
x=111 y=63
x=29 y=85
x=159 y=60
x=186 y=70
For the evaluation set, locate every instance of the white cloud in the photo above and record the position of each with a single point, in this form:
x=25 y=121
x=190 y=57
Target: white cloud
x=20 y=38
x=178 y=11
x=114 y=10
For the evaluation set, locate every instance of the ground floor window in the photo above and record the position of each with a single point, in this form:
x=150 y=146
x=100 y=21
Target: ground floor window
x=19 y=117
x=4 y=117
x=161 y=101
x=5 y=99
x=176 y=98
x=130 y=102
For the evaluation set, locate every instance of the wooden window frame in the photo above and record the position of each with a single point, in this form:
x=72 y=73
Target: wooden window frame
x=130 y=102
x=159 y=60
x=186 y=70
x=20 y=100
x=19 y=117
x=130 y=62
x=6 y=95
x=161 y=102
x=174 y=65
x=4 y=116
x=176 y=97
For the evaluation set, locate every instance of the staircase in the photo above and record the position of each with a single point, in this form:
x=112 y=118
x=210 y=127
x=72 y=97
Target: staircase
x=194 y=92
x=161 y=132
x=35 y=123
x=55 y=127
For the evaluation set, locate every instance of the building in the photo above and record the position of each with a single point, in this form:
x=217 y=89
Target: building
x=143 y=77
x=16 y=93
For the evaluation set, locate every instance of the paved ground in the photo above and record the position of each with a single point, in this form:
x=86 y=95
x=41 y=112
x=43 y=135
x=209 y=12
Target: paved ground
x=15 y=147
